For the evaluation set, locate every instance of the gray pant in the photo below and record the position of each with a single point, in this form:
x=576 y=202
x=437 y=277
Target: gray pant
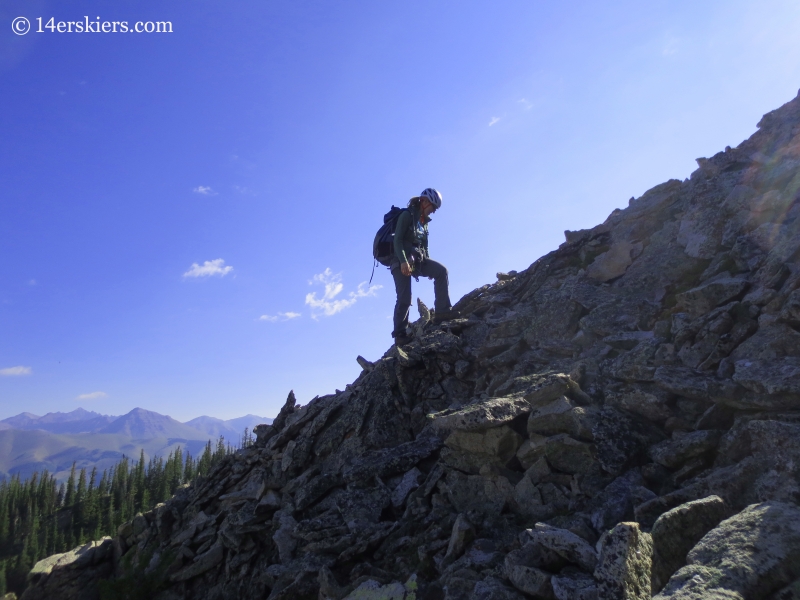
x=402 y=285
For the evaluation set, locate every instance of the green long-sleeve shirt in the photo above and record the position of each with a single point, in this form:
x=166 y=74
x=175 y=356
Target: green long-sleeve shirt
x=410 y=234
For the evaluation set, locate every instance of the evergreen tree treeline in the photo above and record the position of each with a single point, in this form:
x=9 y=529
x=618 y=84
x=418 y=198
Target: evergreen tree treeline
x=39 y=517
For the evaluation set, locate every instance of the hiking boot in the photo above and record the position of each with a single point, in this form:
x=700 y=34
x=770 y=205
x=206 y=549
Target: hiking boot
x=402 y=340
x=445 y=315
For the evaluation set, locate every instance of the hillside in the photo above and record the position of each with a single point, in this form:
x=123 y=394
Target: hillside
x=77 y=421
x=619 y=421
x=54 y=441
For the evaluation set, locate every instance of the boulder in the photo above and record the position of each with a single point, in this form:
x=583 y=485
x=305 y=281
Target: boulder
x=530 y=580
x=528 y=500
x=750 y=555
x=616 y=501
x=371 y=589
x=572 y=584
x=677 y=531
x=462 y=534
x=614 y=262
x=410 y=481
x=569 y=455
x=73 y=574
x=624 y=563
x=474 y=492
x=499 y=442
x=531 y=450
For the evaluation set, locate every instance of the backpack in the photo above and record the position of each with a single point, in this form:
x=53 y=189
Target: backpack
x=383 y=246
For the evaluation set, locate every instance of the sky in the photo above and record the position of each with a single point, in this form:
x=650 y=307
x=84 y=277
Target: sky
x=186 y=217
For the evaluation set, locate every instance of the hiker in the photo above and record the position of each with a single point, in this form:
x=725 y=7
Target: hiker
x=411 y=258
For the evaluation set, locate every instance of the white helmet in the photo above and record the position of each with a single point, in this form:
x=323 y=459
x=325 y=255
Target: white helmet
x=432 y=196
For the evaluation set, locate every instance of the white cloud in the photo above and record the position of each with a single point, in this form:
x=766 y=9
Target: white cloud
x=92 y=396
x=15 y=371
x=31 y=282
x=493 y=121
x=526 y=104
x=329 y=304
x=205 y=190
x=208 y=268
x=281 y=316
x=242 y=189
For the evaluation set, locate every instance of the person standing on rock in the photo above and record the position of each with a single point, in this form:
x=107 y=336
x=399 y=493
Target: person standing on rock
x=411 y=259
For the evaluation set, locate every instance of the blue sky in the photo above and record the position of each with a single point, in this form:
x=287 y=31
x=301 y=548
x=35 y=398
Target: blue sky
x=168 y=202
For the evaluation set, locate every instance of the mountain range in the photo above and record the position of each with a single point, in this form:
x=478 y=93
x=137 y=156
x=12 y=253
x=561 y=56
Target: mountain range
x=54 y=441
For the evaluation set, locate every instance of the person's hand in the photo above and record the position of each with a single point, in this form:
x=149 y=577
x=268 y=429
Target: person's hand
x=405 y=269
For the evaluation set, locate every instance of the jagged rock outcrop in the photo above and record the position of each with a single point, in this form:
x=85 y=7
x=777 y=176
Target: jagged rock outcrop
x=642 y=376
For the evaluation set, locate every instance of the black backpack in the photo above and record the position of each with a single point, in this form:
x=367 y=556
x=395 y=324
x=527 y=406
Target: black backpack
x=383 y=246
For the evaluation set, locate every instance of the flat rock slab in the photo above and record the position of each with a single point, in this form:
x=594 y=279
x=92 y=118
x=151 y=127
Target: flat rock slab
x=389 y=461
x=202 y=563
x=540 y=388
x=750 y=555
x=482 y=415
x=776 y=376
x=673 y=453
x=565 y=543
x=651 y=403
x=708 y=296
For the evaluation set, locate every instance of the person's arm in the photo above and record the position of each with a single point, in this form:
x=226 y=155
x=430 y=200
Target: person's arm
x=403 y=223
x=400 y=230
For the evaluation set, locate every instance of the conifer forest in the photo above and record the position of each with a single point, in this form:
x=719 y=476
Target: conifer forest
x=40 y=516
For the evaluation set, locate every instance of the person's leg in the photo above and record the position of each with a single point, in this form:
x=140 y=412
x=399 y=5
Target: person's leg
x=441 y=284
x=402 y=286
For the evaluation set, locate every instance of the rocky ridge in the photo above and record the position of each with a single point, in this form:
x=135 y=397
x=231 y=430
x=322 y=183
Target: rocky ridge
x=621 y=420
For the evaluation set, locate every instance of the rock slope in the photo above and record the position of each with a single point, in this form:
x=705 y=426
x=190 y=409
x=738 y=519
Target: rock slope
x=618 y=421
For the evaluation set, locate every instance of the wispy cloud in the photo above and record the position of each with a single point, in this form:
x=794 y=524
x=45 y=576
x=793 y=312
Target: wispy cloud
x=244 y=190
x=493 y=121
x=92 y=396
x=525 y=103
x=670 y=47
x=15 y=371
x=205 y=190
x=330 y=303
x=31 y=282
x=281 y=316
x=208 y=269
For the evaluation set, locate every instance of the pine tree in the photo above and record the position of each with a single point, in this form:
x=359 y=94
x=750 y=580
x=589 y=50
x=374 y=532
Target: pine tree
x=69 y=496
x=3 y=588
x=188 y=468
x=221 y=450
